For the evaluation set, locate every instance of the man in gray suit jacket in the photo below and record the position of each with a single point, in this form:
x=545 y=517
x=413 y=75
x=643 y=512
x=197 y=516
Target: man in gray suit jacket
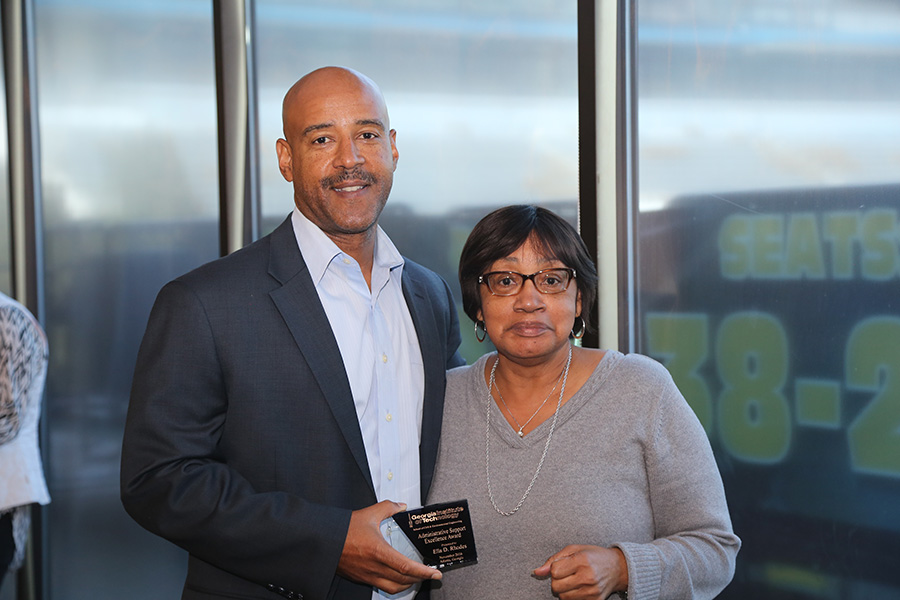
x=257 y=437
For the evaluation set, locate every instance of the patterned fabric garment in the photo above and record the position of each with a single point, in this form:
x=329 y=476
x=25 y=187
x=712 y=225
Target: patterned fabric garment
x=21 y=360
x=23 y=369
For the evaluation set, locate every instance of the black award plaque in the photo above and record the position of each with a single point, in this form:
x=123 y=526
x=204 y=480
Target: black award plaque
x=440 y=534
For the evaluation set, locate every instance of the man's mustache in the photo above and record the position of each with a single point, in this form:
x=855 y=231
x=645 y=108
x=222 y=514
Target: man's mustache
x=355 y=174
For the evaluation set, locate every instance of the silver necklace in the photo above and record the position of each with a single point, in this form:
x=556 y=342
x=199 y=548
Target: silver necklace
x=522 y=426
x=487 y=437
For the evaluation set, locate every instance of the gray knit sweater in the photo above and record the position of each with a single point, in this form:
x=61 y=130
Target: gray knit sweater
x=629 y=466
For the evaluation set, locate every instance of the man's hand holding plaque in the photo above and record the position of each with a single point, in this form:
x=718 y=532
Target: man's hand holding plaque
x=438 y=535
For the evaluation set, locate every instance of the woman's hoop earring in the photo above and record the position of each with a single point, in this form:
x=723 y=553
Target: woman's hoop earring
x=483 y=331
x=581 y=330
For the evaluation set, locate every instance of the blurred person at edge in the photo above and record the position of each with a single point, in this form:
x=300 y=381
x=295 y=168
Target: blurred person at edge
x=287 y=398
x=586 y=472
x=23 y=371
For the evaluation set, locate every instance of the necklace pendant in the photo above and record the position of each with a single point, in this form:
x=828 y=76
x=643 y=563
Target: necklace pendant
x=521 y=434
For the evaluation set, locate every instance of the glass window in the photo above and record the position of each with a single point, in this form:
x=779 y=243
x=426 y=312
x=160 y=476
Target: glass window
x=769 y=247
x=483 y=96
x=128 y=139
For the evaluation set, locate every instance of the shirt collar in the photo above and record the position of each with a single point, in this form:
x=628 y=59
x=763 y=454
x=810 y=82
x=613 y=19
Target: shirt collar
x=319 y=250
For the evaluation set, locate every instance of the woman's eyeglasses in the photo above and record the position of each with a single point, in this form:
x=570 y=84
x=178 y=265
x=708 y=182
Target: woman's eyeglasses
x=509 y=283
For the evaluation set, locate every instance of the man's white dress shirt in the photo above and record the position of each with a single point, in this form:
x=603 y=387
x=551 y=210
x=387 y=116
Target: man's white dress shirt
x=382 y=358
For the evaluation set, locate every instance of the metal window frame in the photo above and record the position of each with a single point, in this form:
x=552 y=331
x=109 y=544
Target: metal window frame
x=24 y=155
x=236 y=99
x=607 y=164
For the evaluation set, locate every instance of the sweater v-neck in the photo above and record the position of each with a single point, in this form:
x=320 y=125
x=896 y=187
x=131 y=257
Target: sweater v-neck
x=508 y=434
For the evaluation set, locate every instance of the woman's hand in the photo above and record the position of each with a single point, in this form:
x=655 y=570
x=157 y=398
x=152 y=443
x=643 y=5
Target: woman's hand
x=581 y=572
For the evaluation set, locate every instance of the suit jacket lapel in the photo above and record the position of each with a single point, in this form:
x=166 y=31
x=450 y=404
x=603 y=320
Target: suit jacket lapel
x=433 y=408
x=299 y=305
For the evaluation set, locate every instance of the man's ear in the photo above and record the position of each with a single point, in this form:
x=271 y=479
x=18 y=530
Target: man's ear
x=285 y=159
x=394 y=152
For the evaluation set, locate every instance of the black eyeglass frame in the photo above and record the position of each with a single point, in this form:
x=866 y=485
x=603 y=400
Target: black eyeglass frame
x=483 y=279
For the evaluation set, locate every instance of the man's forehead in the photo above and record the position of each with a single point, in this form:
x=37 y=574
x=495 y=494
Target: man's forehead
x=337 y=109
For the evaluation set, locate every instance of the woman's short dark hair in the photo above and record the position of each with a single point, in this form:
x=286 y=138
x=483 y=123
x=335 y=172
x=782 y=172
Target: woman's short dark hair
x=503 y=231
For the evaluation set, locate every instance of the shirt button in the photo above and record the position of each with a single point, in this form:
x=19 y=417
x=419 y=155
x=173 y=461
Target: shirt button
x=388 y=417
x=384 y=358
x=390 y=476
x=346 y=261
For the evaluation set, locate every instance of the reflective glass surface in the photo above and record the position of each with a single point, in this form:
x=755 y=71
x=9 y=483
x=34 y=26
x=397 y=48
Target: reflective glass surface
x=128 y=144
x=769 y=254
x=483 y=96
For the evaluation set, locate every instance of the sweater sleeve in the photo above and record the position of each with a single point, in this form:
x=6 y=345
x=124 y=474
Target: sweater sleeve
x=694 y=550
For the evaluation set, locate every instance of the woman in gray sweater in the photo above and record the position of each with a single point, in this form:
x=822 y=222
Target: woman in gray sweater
x=586 y=472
